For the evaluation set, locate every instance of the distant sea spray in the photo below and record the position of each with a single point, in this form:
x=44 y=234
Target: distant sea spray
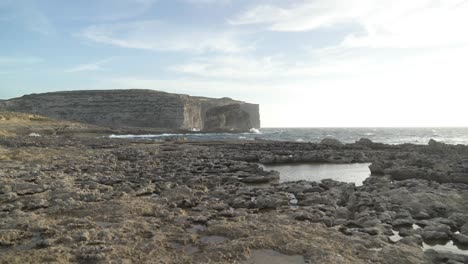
x=346 y=135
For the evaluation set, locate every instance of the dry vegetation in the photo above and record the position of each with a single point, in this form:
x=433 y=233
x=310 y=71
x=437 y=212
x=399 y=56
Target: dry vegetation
x=14 y=124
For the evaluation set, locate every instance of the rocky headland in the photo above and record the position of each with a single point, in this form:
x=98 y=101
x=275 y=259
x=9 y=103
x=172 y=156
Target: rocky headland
x=144 y=109
x=74 y=199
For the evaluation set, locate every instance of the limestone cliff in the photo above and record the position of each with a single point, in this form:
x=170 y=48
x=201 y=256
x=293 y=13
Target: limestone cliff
x=140 y=108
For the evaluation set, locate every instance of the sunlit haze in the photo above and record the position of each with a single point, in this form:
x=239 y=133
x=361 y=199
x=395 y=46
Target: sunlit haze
x=310 y=63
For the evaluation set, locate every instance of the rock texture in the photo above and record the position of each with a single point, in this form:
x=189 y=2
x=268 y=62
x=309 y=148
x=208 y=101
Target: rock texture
x=140 y=108
x=96 y=200
x=228 y=117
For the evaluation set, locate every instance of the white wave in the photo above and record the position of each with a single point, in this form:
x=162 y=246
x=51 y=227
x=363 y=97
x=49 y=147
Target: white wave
x=150 y=135
x=167 y=135
x=255 y=131
x=300 y=140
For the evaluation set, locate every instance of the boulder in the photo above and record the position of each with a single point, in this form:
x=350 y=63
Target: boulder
x=331 y=142
x=364 y=142
x=460 y=239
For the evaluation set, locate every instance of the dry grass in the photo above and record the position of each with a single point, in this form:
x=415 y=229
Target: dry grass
x=17 y=155
x=30 y=154
x=21 y=117
x=5 y=133
x=15 y=124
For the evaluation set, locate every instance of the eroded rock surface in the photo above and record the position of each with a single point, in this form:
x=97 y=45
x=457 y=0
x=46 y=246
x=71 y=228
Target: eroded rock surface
x=71 y=200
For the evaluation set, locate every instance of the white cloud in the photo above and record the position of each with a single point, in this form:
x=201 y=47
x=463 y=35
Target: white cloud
x=157 y=36
x=96 y=66
x=237 y=67
x=273 y=67
x=303 y=15
x=417 y=91
x=339 y=87
x=398 y=23
x=222 y=2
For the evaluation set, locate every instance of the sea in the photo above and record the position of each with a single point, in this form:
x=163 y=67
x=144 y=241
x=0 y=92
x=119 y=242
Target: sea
x=346 y=135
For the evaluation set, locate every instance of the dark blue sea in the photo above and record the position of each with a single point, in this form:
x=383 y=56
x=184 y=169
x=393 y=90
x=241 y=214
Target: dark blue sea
x=346 y=135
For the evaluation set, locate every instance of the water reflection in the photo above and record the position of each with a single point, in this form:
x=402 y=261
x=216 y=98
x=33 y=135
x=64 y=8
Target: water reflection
x=448 y=246
x=356 y=172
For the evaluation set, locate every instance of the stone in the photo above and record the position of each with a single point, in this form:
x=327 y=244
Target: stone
x=446 y=257
x=434 y=235
x=331 y=142
x=403 y=222
x=464 y=229
x=270 y=201
x=82 y=236
x=365 y=142
x=460 y=239
x=459 y=219
x=412 y=240
x=256 y=179
x=376 y=169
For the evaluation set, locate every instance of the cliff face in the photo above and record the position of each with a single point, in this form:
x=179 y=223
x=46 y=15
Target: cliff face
x=139 y=108
x=228 y=117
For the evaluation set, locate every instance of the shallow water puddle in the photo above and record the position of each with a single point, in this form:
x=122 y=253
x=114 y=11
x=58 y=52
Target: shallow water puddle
x=355 y=172
x=448 y=247
x=396 y=234
x=267 y=256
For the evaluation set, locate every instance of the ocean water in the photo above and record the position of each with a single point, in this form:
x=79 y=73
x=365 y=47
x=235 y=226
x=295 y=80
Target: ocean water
x=346 y=135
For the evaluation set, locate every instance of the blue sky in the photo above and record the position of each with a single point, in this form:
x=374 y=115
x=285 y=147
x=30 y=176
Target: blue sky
x=306 y=62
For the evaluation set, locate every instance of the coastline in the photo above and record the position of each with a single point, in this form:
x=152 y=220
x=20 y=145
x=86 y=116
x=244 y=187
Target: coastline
x=194 y=202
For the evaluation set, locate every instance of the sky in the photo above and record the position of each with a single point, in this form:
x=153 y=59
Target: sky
x=308 y=63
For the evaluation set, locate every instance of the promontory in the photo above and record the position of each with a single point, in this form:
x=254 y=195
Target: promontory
x=137 y=108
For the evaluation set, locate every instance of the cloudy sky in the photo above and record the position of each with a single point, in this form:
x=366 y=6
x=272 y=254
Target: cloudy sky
x=306 y=62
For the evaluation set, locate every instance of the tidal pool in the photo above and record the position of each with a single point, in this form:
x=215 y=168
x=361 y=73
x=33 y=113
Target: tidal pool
x=442 y=246
x=449 y=246
x=355 y=172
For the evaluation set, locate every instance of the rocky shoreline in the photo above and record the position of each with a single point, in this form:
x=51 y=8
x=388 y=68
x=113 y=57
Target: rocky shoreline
x=96 y=200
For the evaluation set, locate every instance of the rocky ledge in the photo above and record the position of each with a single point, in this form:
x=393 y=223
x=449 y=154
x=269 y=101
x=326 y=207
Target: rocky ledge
x=71 y=200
